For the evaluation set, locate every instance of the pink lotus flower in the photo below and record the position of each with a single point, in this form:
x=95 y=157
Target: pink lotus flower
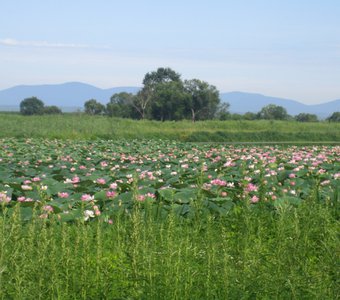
x=101 y=181
x=26 y=187
x=218 y=182
x=110 y=194
x=63 y=195
x=141 y=198
x=4 y=198
x=254 y=199
x=48 y=208
x=104 y=164
x=251 y=188
x=87 y=197
x=113 y=186
x=75 y=179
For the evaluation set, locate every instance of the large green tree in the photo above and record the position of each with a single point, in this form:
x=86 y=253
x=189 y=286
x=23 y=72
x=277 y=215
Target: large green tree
x=93 y=107
x=334 y=117
x=152 y=98
x=170 y=102
x=273 y=112
x=31 y=106
x=304 y=117
x=204 y=99
x=165 y=96
x=121 y=105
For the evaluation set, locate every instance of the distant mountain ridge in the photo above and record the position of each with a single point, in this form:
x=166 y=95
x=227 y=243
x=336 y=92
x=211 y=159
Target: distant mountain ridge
x=241 y=102
x=71 y=96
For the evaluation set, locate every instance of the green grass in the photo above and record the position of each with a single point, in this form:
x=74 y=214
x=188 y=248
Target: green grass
x=80 y=126
x=291 y=253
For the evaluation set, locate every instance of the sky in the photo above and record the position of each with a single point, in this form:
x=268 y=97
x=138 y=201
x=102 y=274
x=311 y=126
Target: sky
x=281 y=48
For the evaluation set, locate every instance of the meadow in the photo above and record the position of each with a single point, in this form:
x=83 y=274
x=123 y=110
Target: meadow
x=81 y=126
x=84 y=217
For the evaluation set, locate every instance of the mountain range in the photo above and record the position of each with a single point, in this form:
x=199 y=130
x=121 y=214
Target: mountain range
x=71 y=96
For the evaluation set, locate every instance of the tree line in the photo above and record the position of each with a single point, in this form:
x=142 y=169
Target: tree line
x=165 y=96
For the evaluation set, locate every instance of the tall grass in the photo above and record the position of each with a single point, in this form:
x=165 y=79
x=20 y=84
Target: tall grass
x=80 y=126
x=291 y=253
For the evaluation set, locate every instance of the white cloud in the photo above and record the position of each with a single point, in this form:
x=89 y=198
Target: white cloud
x=44 y=44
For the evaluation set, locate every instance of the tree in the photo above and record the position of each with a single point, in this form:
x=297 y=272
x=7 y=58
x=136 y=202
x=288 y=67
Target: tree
x=147 y=96
x=142 y=101
x=273 y=112
x=204 y=99
x=51 y=110
x=304 y=117
x=31 y=106
x=93 y=107
x=162 y=75
x=170 y=101
x=120 y=105
x=334 y=117
x=250 y=116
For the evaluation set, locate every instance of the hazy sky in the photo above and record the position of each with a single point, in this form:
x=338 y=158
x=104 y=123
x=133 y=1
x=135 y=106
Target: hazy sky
x=283 y=48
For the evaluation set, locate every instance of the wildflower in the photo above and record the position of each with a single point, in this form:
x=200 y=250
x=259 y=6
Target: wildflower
x=36 y=179
x=254 y=199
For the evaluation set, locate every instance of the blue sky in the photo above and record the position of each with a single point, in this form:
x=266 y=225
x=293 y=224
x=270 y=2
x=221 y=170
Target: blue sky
x=283 y=48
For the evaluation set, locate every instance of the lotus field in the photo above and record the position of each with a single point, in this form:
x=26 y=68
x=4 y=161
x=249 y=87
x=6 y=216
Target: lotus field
x=95 y=180
x=158 y=219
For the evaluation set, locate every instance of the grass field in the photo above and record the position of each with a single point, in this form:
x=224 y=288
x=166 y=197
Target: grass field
x=73 y=126
x=100 y=208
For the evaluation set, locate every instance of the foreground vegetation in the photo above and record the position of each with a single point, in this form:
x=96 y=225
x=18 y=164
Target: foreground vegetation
x=167 y=220
x=252 y=253
x=80 y=126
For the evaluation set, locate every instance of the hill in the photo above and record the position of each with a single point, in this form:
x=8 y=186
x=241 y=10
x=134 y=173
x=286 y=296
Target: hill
x=247 y=102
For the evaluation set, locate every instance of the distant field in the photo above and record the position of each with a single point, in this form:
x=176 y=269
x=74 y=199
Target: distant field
x=80 y=126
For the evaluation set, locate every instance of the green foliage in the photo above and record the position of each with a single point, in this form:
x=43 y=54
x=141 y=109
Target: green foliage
x=83 y=126
x=166 y=97
x=169 y=102
x=121 y=105
x=249 y=254
x=31 y=106
x=273 y=112
x=93 y=107
x=204 y=99
x=52 y=110
x=304 y=117
x=335 y=117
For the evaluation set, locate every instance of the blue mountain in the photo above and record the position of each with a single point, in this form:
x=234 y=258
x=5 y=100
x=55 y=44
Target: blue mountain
x=68 y=96
x=241 y=102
